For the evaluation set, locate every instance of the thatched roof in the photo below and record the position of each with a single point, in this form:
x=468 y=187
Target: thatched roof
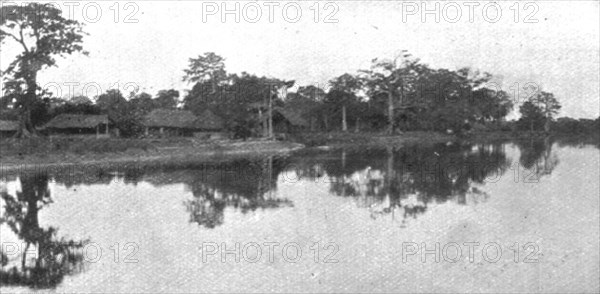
x=77 y=121
x=209 y=121
x=8 y=125
x=293 y=117
x=170 y=118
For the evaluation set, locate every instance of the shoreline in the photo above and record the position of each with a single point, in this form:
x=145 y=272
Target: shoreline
x=182 y=152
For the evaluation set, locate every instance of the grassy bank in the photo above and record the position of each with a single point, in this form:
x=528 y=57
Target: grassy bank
x=59 y=151
x=64 y=151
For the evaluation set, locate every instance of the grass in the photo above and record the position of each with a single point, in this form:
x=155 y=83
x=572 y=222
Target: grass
x=42 y=151
x=43 y=145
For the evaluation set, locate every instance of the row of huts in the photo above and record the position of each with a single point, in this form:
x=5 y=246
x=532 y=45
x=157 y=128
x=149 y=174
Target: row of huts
x=157 y=123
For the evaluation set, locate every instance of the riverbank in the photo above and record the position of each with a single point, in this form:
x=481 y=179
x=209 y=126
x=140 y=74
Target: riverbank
x=44 y=152
x=138 y=152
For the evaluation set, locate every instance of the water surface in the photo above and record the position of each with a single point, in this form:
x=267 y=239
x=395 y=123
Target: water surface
x=364 y=209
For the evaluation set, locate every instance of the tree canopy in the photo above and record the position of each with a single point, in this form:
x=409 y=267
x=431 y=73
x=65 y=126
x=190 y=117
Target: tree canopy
x=43 y=35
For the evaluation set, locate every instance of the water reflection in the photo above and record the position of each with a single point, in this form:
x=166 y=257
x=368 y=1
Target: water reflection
x=48 y=259
x=245 y=185
x=537 y=155
x=399 y=182
x=405 y=180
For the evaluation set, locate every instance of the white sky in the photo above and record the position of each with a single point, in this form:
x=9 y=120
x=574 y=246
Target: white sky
x=560 y=53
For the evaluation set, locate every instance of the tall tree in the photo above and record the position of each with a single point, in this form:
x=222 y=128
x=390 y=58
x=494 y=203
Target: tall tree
x=342 y=93
x=548 y=105
x=312 y=93
x=388 y=77
x=308 y=100
x=43 y=34
x=531 y=116
x=206 y=67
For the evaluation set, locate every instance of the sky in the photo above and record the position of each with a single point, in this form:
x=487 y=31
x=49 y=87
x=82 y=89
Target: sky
x=553 y=45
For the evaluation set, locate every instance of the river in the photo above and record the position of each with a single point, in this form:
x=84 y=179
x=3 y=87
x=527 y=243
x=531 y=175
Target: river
x=503 y=217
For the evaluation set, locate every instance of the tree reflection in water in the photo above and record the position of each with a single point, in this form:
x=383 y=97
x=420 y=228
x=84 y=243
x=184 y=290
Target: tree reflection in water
x=537 y=155
x=405 y=180
x=399 y=182
x=245 y=185
x=48 y=259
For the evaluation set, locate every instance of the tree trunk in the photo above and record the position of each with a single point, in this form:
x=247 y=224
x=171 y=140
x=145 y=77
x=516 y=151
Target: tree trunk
x=531 y=126
x=357 y=126
x=26 y=128
x=390 y=113
x=270 y=117
x=547 y=126
x=326 y=122
x=344 y=123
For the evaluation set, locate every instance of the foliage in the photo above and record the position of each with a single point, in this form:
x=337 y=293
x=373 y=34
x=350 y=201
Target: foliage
x=233 y=100
x=166 y=99
x=206 y=67
x=538 y=112
x=43 y=33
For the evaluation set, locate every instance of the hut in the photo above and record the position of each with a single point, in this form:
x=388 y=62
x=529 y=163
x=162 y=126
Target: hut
x=288 y=121
x=209 y=126
x=79 y=124
x=8 y=128
x=169 y=123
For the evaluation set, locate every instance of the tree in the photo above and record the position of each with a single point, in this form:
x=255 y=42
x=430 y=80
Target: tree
x=308 y=101
x=207 y=67
x=539 y=111
x=120 y=111
x=388 y=77
x=43 y=34
x=141 y=104
x=548 y=105
x=81 y=100
x=343 y=93
x=113 y=103
x=531 y=116
x=167 y=99
x=312 y=93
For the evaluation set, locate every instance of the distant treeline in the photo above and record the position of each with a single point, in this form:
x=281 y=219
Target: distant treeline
x=388 y=97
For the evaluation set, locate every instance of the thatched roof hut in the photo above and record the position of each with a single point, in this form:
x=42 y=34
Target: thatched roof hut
x=293 y=117
x=170 y=118
x=81 y=124
x=77 y=121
